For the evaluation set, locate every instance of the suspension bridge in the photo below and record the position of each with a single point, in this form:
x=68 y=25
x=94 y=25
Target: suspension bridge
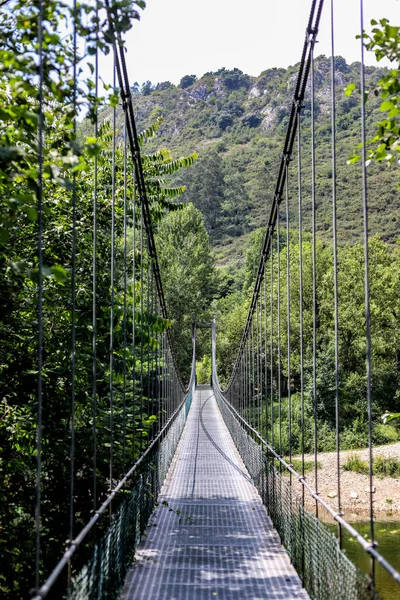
x=198 y=469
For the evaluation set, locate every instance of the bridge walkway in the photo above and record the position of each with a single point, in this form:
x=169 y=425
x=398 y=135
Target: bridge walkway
x=217 y=541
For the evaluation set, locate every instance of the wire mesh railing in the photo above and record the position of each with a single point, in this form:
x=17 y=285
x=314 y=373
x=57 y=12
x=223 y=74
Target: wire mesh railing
x=288 y=379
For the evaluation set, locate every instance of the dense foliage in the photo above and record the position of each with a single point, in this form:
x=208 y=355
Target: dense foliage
x=385 y=316
x=189 y=279
x=69 y=154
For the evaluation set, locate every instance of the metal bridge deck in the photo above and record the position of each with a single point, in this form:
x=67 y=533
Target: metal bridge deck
x=222 y=544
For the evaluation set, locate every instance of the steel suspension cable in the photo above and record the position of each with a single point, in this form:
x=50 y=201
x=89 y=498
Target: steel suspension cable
x=279 y=368
x=112 y=284
x=335 y=263
x=261 y=366
x=266 y=354
x=134 y=311
x=125 y=332
x=141 y=324
x=271 y=341
x=300 y=234
x=148 y=331
x=288 y=298
x=366 y=288
x=314 y=271
x=73 y=298
x=39 y=195
x=94 y=276
x=253 y=374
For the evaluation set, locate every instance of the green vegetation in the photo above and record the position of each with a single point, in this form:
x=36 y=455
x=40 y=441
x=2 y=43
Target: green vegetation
x=237 y=123
x=384 y=41
x=68 y=165
x=386 y=466
x=231 y=313
x=382 y=466
x=309 y=466
x=203 y=369
x=356 y=464
x=189 y=280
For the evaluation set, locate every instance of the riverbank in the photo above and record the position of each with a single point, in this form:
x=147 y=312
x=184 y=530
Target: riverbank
x=355 y=486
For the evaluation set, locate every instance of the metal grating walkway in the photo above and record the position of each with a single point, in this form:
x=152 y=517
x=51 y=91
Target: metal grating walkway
x=222 y=545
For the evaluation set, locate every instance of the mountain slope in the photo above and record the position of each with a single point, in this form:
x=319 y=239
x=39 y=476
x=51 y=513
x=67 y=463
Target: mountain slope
x=237 y=124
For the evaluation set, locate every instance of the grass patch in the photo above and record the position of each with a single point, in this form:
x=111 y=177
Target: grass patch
x=382 y=466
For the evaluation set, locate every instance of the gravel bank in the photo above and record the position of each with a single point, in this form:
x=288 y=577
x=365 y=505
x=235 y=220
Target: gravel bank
x=355 y=487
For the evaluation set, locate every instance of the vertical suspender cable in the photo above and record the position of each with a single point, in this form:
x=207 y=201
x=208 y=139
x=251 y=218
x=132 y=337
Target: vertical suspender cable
x=253 y=374
x=255 y=342
x=314 y=272
x=266 y=351
x=39 y=193
x=148 y=284
x=113 y=167
x=141 y=326
x=335 y=264
x=301 y=327
x=301 y=294
x=134 y=313
x=266 y=376
x=288 y=319
x=94 y=304
x=125 y=299
x=73 y=302
x=271 y=354
x=278 y=256
x=261 y=366
x=366 y=290
x=248 y=375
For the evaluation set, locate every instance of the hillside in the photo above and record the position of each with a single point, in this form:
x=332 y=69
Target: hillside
x=237 y=123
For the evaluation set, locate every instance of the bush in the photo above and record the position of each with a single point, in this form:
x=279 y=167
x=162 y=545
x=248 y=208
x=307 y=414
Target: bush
x=356 y=464
x=384 y=434
x=382 y=466
x=355 y=436
x=203 y=369
x=386 y=466
x=187 y=81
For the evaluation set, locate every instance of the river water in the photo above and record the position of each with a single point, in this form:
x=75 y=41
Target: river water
x=387 y=534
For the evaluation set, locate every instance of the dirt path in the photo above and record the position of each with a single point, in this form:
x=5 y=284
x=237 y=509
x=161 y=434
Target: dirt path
x=355 y=487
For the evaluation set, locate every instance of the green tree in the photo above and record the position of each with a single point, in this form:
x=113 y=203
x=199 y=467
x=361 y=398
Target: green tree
x=189 y=277
x=205 y=189
x=187 y=81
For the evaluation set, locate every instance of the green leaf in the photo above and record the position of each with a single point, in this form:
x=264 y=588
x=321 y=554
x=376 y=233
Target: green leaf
x=353 y=159
x=31 y=213
x=388 y=105
x=350 y=89
x=59 y=273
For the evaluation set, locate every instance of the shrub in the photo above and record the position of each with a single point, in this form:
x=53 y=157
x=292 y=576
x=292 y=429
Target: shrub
x=203 y=369
x=384 y=434
x=386 y=466
x=187 y=81
x=382 y=466
x=356 y=464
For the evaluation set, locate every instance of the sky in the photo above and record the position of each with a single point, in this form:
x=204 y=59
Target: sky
x=179 y=37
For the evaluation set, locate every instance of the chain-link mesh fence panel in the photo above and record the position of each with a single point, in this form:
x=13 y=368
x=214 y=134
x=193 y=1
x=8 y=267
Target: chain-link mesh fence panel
x=325 y=570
